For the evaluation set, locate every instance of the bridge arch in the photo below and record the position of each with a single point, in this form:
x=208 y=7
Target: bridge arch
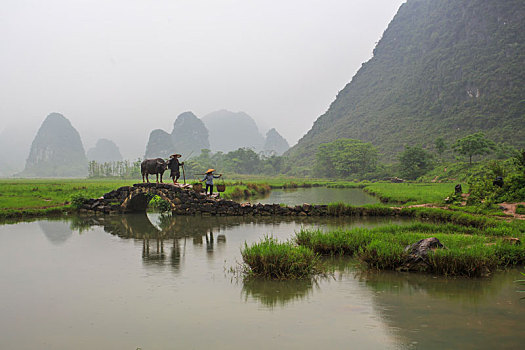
x=138 y=201
x=139 y=197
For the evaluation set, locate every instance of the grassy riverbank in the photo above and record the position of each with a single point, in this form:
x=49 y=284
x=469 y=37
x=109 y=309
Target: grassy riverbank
x=412 y=193
x=40 y=197
x=469 y=251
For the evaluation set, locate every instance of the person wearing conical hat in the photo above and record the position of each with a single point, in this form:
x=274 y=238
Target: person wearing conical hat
x=174 y=165
x=208 y=177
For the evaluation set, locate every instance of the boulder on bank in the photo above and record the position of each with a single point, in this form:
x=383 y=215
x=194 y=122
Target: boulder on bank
x=418 y=253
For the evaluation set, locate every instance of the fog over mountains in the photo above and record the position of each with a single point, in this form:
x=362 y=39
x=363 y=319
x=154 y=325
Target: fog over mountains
x=220 y=131
x=104 y=151
x=57 y=149
x=442 y=68
x=230 y=131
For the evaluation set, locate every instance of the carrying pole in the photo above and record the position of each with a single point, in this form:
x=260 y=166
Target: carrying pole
x=183 y=174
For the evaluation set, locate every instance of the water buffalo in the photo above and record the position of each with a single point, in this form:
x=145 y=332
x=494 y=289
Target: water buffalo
x=153 y=166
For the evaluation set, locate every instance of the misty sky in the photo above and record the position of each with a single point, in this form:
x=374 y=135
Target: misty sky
x=118 y=69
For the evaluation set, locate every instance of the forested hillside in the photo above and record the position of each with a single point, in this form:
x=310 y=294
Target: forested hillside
x=444 y=68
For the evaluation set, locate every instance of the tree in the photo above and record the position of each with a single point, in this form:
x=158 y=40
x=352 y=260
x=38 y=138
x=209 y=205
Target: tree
x=474 y=144
x=346 y=157
x=414 y=162
x=242 y=161
x=441 y=146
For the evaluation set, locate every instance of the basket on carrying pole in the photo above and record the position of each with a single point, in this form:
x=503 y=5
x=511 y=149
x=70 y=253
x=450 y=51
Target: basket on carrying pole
x=197 y=187
x=222 y=186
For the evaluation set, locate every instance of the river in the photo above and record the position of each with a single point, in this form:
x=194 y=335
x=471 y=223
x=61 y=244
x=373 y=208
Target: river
x=156 y=282
x=317 y=195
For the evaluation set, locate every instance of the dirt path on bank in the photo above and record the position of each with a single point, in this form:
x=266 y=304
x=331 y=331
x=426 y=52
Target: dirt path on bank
x=510 y=208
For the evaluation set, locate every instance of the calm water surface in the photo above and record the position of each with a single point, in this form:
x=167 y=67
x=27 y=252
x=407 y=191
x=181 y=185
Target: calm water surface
x=154 y=282
x=317 y=195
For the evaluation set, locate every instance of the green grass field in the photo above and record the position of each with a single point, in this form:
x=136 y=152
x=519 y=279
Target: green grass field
x=33 y=196
x=412 y=193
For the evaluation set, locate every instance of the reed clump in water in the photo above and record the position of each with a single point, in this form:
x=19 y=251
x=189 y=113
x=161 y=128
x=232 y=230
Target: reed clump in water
x=279 y=260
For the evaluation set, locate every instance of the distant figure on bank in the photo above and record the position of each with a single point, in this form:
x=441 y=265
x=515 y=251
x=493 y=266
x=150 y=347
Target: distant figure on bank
x=498 y=181
x=458 y=189
x=209 y=180
x=174 y=165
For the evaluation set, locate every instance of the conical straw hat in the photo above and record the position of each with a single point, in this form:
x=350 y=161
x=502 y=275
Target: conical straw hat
x=210 y=170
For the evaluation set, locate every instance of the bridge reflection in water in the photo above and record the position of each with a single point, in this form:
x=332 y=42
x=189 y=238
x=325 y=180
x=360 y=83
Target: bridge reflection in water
x=168 y=233
x=167 y=241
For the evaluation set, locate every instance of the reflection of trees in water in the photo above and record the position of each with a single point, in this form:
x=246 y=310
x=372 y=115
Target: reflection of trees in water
x=277 y=293
x=460 y=290
x=437 y=312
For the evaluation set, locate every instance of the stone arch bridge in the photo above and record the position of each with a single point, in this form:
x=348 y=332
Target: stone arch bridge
x=136 y=198
x=183 y=200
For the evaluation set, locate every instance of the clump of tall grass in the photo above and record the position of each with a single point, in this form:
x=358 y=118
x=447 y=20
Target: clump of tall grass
x=336 y=209
x=259 y=188
x=279 y=260
x=290 y=185
x=244 y=191
x=382 y=255
x=341 y=242
x=342 y=209
x=474 y=261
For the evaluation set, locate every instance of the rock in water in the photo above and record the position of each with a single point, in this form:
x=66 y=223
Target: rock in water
x=275 y=142
x=104 y=151
x=56 y=151
x=159 y=145
x=189 y=135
